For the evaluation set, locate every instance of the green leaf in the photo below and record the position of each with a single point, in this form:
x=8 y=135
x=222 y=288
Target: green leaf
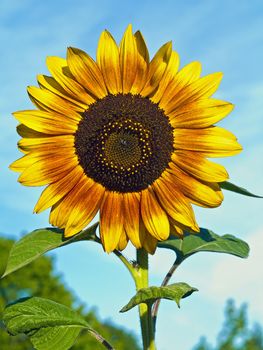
x=206 y=241
x=49 y=325
x=175 y=292
x=38 y=242
x=226 y=185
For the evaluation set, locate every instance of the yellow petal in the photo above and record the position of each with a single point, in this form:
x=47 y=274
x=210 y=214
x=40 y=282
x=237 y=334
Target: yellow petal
x=25 y=131
x=131 y=203
x=111 y=220
x=86 y=72
x=168 y=76
x=200 y=114
x=57 y=190
x=48 y=145
x=123 y=241
x=128 y=59
x=157 y=68
x=154 y=217
x=43 y=172
x=84 y=209
x=21 y=164
x=142 y=64
x=200 y=193
x=174 y=202
x=178 y=229
x=52 y=102
x=46 y=122
x=109 y=62
x=175 y=229
x=184 y=77
x=149 y=242
x=49 y=83
x=61 y=211
x=196 y=165
x=60 y=71
x=201 y=88
x=212 y=142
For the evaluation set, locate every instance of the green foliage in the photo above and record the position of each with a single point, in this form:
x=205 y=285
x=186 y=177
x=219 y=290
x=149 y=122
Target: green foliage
x=226 y=185
x=175 y=292
x=38 y=279
x=236 y=334
x=31 y=317
x=205 y=241
x=38 y=242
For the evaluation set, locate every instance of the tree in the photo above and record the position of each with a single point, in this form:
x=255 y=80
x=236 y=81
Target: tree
x=39 y=279
x=236 y=333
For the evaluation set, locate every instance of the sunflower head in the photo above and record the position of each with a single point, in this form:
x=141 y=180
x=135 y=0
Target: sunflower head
x=126 y=137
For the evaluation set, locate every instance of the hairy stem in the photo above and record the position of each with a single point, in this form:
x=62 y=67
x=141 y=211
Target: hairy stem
x=101 y=340
x=146 y=321
x=139 y=273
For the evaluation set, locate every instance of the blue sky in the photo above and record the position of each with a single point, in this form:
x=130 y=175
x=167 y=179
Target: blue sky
x=225 y=36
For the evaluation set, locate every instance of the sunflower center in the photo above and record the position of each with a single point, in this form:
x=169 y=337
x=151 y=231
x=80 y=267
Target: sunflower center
x=124 y=142
x=123 y=149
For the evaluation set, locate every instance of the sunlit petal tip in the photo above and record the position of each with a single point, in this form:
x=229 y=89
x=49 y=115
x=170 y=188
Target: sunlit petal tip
x=218 y=75
x=195 y=66
x=128 y=29
x=30 y=88
x=109 y=62
x=231 y=107
x=13 y=166
x=16 y=113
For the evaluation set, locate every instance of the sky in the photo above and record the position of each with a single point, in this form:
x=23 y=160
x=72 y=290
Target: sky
x=224 y=35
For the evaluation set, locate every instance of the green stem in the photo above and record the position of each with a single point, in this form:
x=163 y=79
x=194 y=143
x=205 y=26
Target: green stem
x=141 y=281
x=139 y=273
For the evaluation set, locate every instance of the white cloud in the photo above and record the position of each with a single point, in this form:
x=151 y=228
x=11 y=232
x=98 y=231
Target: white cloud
x=241 y=278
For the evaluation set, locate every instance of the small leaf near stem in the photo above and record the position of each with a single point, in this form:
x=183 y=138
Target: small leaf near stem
x=149 y=295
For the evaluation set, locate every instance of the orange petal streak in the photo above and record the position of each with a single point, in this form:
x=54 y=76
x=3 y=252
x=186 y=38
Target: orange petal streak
x=173 y=202
x=198 y=166
x=61 y=211
x=57 y=190
x=142 y=64
x=203 y=194
x=154 y=217
x=131 y=203
x=109 y=62
x=111 y=220
x=86 y=72
x=84 y=209
x=128 y=59
x=157 y=68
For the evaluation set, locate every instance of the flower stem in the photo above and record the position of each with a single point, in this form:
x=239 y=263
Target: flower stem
x=141 y=281
x=139 y=273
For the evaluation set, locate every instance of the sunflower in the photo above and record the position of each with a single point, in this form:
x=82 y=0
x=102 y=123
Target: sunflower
x=125 y=137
